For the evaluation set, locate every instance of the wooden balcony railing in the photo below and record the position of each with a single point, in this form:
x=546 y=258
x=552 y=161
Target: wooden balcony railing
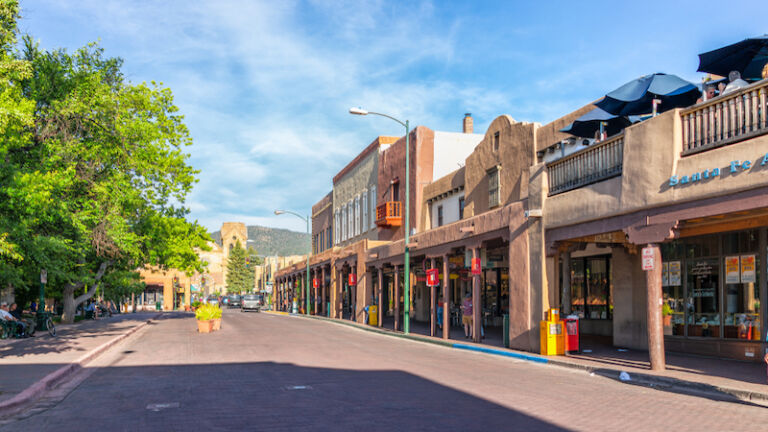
x=725 y=119
x=595 y=163
x=389 y=214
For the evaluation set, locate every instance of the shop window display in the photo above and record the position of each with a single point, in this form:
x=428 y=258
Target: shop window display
x=703 y=294
x=591 y=288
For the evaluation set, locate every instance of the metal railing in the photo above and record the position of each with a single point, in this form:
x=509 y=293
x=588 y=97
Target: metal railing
x=725 y=119
x=598 y=162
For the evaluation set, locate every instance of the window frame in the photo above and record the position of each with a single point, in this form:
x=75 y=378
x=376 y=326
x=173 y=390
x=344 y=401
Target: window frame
x=494 y=187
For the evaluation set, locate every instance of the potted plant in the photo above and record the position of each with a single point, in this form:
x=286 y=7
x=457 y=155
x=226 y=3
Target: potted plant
x=666 y=314
x=204 y=316
x=216 y=318
x=195 y=305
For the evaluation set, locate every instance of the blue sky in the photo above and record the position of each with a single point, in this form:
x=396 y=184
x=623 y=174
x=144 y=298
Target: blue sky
x=265 y=86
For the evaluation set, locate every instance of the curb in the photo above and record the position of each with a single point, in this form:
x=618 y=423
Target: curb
x=58 y=376
x=642 y=379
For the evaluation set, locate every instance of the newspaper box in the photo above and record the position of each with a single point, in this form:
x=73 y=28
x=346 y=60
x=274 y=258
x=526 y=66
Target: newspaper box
x=571 y=333
x=552 y=334
x=373 y=315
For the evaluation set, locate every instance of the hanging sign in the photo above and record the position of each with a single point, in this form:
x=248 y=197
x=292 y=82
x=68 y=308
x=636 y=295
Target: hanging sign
x=476 y=267
x=675 y=272
x=432 y=277
x=748 y=269
x=352 y=279
x=648 y=259
x=315 y=283
x=732 y=270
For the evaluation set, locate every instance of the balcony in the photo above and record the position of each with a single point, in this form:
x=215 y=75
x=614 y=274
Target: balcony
x=724 y=120
x=595 y=163
x=389 y=214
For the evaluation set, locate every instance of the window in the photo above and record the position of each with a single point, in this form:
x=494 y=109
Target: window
x=328 y=236
x=461 y=208
x=396 y=191
x=365 y=212
x=344 y=223
x=338 y=226
x=357 y=215
x=350 y=220
x=373 y=206
x=496 y=141
x=439 y=215
x=493 y=187
x=591 y=288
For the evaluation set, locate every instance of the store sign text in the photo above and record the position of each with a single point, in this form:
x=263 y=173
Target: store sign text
x=735 y=167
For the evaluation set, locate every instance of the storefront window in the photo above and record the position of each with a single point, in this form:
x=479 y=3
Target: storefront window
x=741 y=318
x=703 y=294
x=577 y=287
x=673 y=310
x=598 y=287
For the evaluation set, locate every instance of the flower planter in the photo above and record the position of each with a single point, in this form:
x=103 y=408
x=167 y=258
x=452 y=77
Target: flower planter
x=216 y=324
x=186 y=308
x=204 y=326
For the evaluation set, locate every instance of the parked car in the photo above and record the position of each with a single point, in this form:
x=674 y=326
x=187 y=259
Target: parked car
x=234 y=301
x=252 y=302
x=212 y=300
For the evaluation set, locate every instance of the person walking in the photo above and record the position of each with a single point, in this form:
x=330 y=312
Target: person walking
x=466 y=318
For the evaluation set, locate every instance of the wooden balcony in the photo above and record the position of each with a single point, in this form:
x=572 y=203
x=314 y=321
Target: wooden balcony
x=727 y=119
x=389 y=214
x=595 y=163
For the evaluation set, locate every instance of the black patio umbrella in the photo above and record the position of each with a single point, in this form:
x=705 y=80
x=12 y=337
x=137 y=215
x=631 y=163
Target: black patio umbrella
x=748 y=57
x=636 y=97
x=586 y=125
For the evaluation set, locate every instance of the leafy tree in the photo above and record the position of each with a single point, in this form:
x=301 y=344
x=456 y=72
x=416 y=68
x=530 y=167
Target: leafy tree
x=94 y=176
x=241 y=271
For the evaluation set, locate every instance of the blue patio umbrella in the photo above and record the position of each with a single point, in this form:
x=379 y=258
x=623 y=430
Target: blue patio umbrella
x=748 y=57
x=636 y=97
x=586 y=125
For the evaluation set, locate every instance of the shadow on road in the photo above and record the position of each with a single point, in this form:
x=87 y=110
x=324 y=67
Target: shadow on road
x=273 y=396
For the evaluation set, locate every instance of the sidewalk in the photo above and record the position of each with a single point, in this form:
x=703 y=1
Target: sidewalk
x=706 y=376
x=25 y=362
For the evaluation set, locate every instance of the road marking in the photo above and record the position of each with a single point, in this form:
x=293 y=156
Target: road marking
x=162 y=406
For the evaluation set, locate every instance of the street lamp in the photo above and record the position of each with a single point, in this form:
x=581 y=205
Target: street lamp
x=309 y=250
x=407 y=270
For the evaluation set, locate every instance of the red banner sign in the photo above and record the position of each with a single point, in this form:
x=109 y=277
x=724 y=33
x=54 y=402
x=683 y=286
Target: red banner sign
x=432 y=277
x=476 y=267
x=315 y=283
x=352 y=279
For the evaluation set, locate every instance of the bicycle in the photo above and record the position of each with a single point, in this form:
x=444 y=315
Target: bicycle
x=45 y=322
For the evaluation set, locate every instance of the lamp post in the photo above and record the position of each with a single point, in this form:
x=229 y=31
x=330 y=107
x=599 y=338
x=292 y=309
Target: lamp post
x=407 y=270
x=309 y=251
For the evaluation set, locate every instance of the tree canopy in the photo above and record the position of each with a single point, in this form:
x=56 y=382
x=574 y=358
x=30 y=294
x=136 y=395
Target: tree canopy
x=95 y=175
x=241 y=269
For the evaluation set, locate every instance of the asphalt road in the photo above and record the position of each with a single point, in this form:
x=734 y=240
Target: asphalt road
x=271 y=372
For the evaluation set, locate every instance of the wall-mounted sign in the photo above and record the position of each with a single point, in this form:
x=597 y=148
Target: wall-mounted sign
x=476 y=267
x=709 y=174
x=432 y=277
x=648 y=259
x=732 y=270
x=315 y=283
x=748 y=269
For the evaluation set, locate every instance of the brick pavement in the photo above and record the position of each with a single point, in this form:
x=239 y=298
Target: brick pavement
x=26 y=361
x=271 y=372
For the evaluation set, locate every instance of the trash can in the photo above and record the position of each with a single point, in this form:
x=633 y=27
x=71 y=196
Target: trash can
x=552 y=336
x=571 y=333
x=373 y=315
x=158 y=306
x=506 y=330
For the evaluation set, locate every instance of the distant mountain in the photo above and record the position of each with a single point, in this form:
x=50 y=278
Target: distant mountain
x=271 y=241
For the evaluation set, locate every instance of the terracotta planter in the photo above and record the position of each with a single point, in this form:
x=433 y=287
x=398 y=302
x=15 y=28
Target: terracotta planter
x=204 y=326
x=186 y=308
x=667 y=320
x=216 y=324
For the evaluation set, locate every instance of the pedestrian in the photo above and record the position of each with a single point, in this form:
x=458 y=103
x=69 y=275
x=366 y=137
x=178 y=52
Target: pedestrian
x=5 y=315
x=466 y=318
x=440 y=304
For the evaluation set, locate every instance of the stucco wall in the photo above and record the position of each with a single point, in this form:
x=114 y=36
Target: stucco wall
x=629 y=301
x=652 y=154
x=356 y=180
x=322 y=219
x=446 y=184
x=450 y=209
x=515 y=155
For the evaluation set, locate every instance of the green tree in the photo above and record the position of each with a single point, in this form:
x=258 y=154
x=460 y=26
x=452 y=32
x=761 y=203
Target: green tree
x=95 y=176
x=241 y=276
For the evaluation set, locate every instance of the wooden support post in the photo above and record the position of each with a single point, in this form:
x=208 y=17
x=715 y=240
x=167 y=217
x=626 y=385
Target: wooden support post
x=446 y=299
x=566 y=302
x=316 y=290
x=380 y=274
x=432 y=304
x=397 y=298
x=655 y=325
x=323 y=305
x=477 y=308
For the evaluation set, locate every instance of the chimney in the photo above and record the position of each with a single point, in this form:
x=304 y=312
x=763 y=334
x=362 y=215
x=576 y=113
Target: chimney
x=468 y=123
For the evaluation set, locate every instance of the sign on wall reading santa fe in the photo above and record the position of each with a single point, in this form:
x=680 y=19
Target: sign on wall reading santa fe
x=432 y=277
x=315 y=283
x=476 y=267
x=648 y=259
x=352 y=279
